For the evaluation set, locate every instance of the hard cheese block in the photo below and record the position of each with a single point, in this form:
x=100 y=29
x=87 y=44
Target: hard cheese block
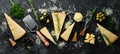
x=46 y=33
x=67 y=33
x=17 y=30
x=112 y=37
x=58 y=20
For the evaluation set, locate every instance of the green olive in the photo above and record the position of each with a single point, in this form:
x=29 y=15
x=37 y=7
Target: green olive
x=48 y=21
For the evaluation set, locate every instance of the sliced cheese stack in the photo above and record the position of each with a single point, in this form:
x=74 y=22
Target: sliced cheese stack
x=67 y=33
x=58 y=20
x=108 y=36
x=74 y=37
x=17 y=30
x=13 y=43
x=90 y=38
x=46 y=33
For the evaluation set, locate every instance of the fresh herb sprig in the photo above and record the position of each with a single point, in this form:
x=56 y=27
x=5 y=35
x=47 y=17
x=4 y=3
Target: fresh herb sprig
x=33 y=9
x=16 y=10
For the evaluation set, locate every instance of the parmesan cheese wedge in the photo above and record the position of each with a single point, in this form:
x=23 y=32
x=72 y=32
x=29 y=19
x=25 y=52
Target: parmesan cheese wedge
x=13 y=43
x=112 y=37
x=17 y=30
x=67 y=33
x=58 y=20
x=74 y=37
x=46 y=33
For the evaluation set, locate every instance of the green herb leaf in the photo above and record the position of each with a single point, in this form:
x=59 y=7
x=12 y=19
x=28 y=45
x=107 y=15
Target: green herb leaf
x=111 y=23
x=16 y=10
x=93 y=11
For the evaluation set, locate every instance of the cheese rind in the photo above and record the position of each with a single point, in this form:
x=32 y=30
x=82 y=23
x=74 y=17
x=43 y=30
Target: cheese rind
x=46 y=33
x=65 y=35
x=17 y=30
x=58 y=20
x=112 y=37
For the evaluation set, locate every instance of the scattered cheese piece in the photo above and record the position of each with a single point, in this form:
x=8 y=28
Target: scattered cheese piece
x=13 y=43
x=67 y=33
x=112 y=37
x=78 y=17
x=92 y=41
x=61 y=45
x=46 y=33
x=17 y=30
x=74 y=37
x=86 y=41
x=87 y=36
x=58 y=20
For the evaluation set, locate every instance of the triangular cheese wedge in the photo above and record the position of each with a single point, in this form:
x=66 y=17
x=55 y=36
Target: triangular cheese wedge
x=17 y=30
x=58 y=20
x=112 y=37
x=13 y=43
x=67 y=33
x=82 y=33
x=74 y=37
x=46 y=33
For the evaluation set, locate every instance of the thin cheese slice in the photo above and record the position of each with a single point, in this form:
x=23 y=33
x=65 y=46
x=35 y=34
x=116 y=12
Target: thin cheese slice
x=67 y=33
x=112 y=37
x=74 y=37
x=17 y=30
x=46 y=33
x=13 y=43
x=58 y=20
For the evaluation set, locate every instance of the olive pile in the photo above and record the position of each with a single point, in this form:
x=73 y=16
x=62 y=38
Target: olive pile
x=28 y=41
x=45 y=18
x=100 y=16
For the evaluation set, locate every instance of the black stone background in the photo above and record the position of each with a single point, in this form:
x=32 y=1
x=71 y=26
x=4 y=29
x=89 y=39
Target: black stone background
x=80 y=5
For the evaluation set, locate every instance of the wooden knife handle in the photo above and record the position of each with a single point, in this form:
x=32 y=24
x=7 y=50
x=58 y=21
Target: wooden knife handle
x=42 y=38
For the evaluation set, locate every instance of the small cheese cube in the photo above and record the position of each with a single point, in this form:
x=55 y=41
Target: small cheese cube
x=92 y=41
x=87 y=36
x=86 y=41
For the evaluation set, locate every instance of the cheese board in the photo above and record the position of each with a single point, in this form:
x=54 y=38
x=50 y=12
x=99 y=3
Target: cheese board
x=62 y=22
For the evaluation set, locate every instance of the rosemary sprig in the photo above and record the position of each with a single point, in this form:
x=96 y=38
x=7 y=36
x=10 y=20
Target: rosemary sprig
x=58 y=21
x=111 y=23
x=33 y=9
x=11 y=2
x=82 y=33
x=93 y=11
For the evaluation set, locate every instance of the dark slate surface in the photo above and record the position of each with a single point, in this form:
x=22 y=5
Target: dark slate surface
x=83 y=48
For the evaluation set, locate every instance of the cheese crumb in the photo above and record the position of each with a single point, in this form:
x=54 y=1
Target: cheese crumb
x=29 y=10
x=67 y=24
x=61 y=45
